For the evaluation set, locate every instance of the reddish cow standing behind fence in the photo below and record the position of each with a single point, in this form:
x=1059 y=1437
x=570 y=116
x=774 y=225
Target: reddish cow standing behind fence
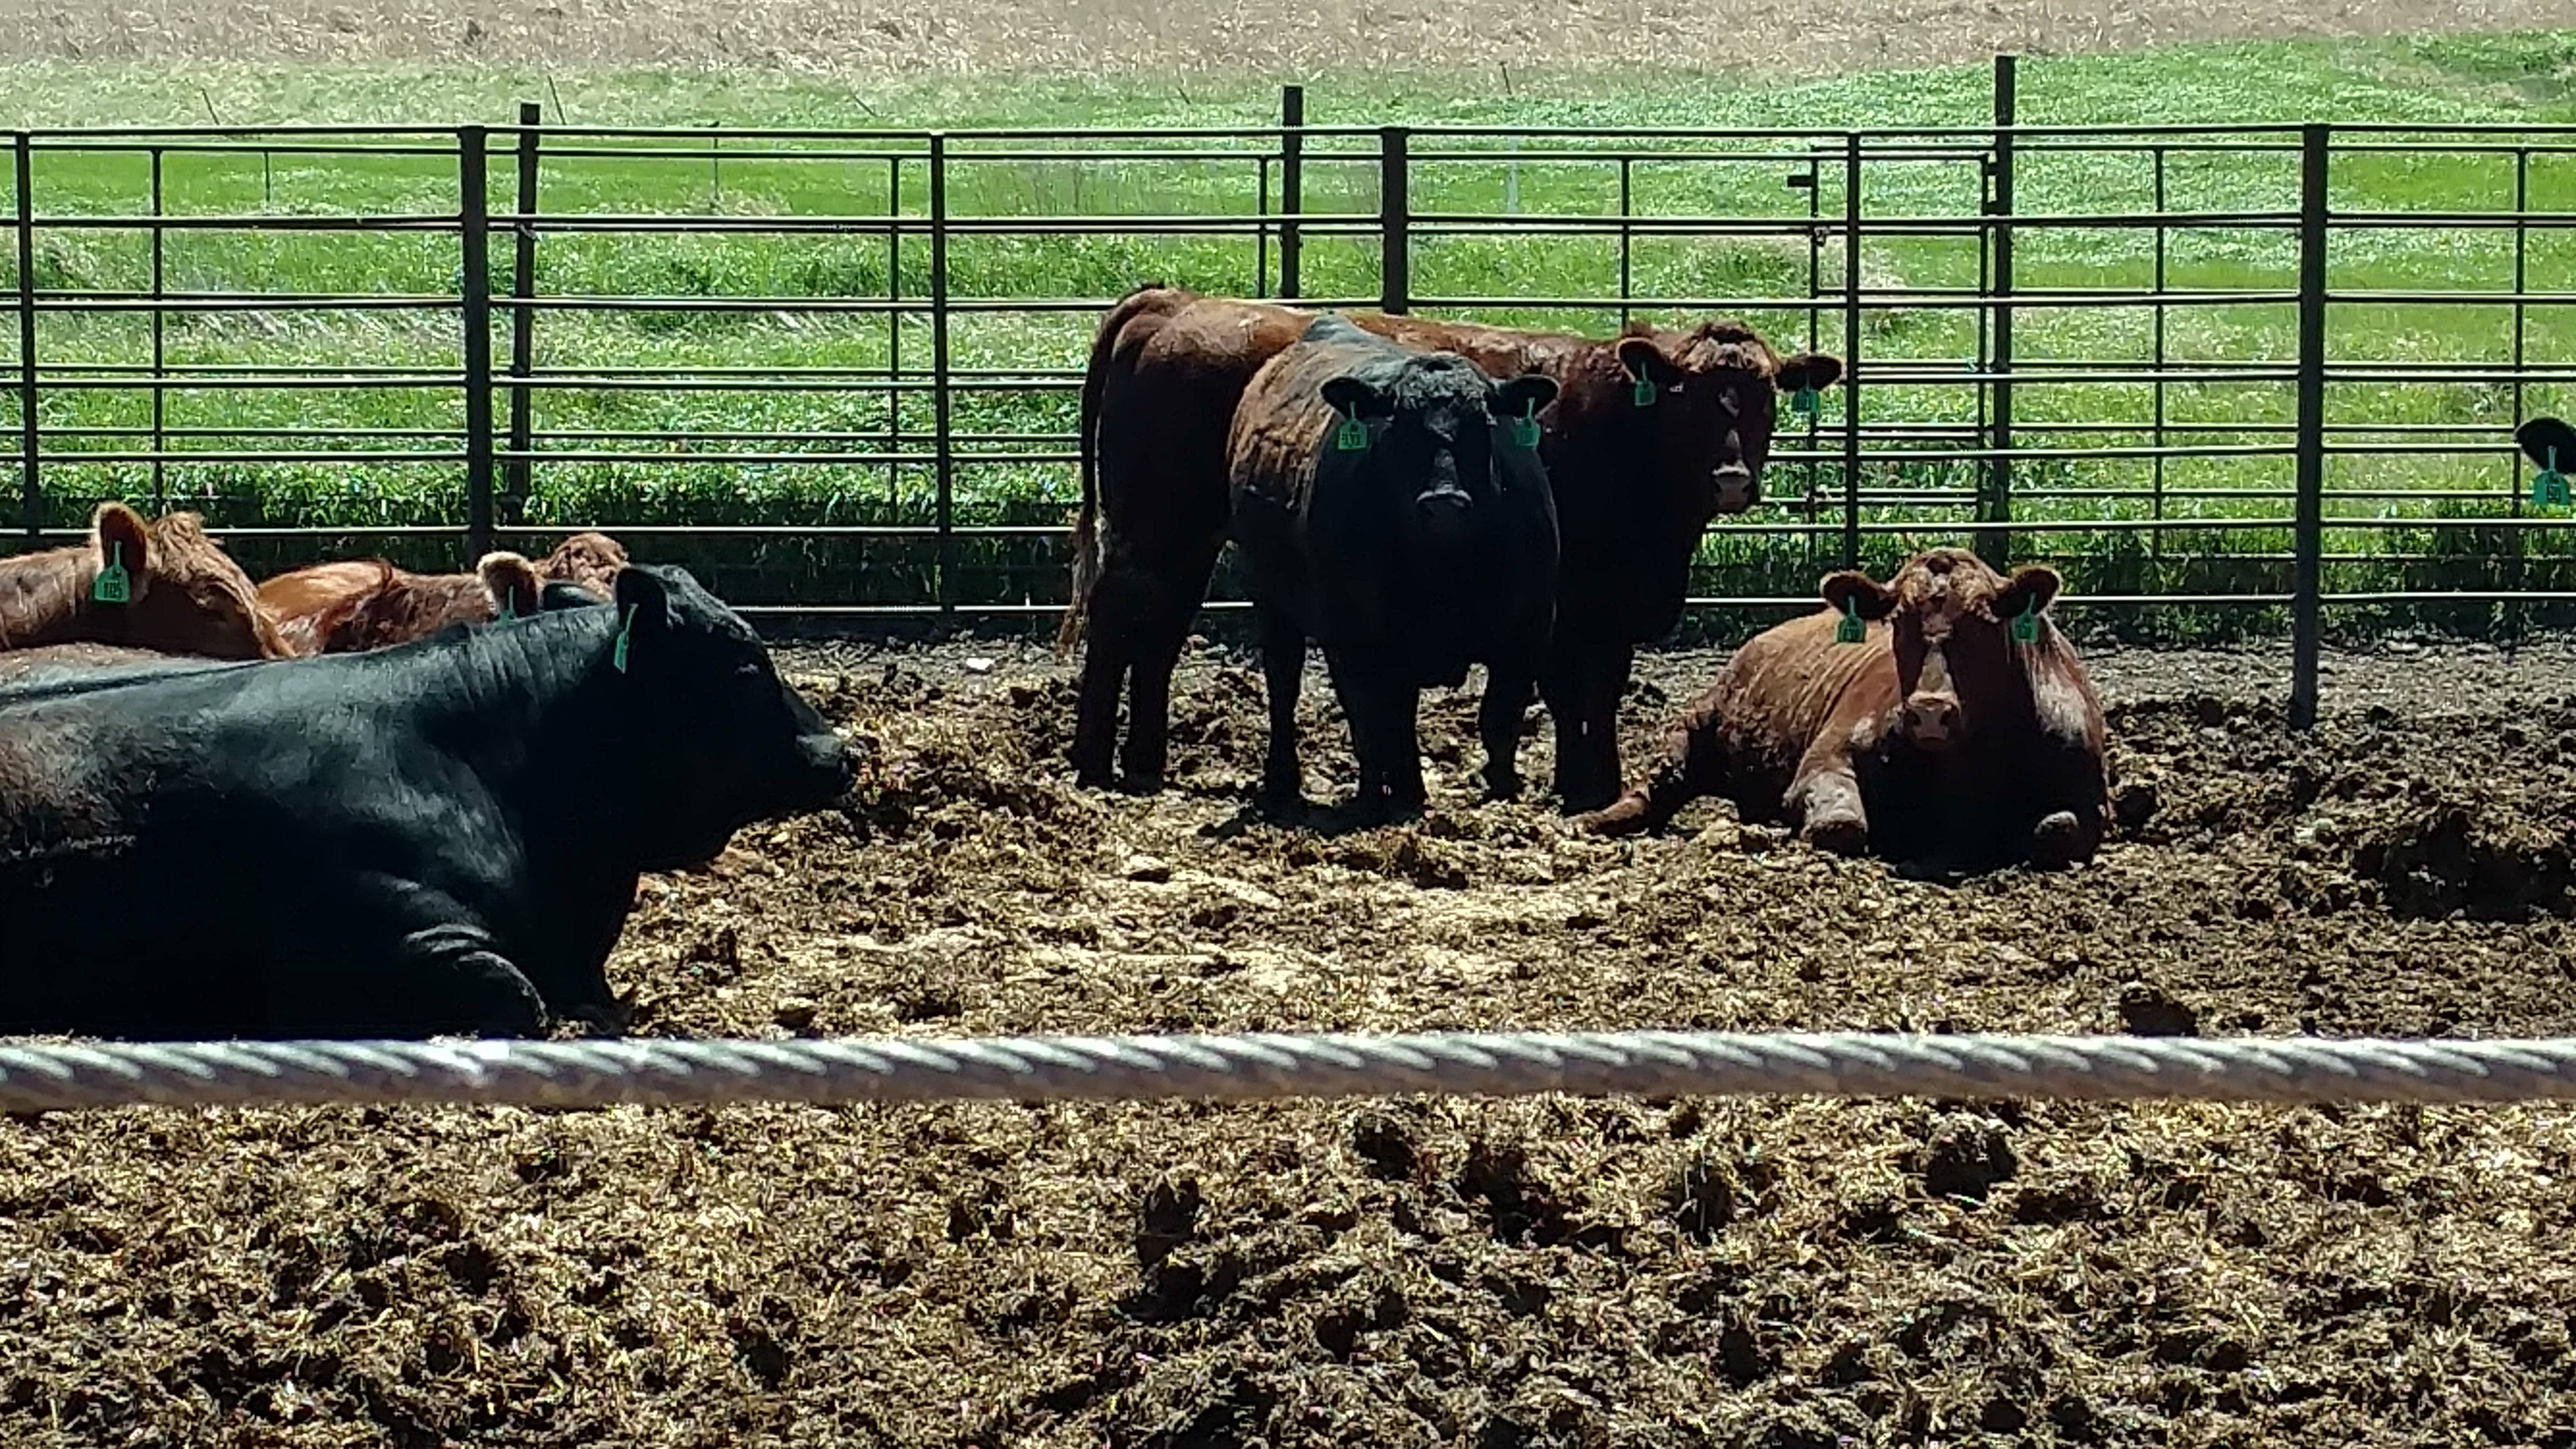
x=1957 y=726
x=1653 y=433
x=163 y=586
x=356 y=605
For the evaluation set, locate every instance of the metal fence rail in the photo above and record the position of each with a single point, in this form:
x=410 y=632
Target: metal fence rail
x=520 y=329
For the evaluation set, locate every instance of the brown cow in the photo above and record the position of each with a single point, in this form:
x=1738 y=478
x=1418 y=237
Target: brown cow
x=1938 y=737
x=183 y=594
x=1652 y=434
x=361 y=604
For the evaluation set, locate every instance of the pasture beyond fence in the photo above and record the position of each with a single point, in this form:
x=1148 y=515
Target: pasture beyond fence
x=2218 y=374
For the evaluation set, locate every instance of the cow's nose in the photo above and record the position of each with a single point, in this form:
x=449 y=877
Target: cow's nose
x=1735 y=491
x=1932 y=719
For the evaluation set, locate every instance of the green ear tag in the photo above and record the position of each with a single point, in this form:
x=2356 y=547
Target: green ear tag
x=509 y=605
x=2548 y=486
x=1351 y=436
x=1643 y=393
x=1524 y=429
x=1850 y=630
x=625 y=636
x=2025 y=625
x=1803 y=402
x=111 y=586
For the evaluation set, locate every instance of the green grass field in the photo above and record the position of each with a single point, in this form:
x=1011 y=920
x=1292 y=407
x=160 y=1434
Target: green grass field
x=2519 y=81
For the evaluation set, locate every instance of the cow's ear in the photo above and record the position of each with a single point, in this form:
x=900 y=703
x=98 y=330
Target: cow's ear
x=511 y=583
x=1851 y=591
x=643 y=615
x=1808 y=370
x=1643 y=360
x=556 y=595
x=2034 y=587
x=2548 y=443
x=121 y=539
x=1524 y=396
x=1354 y=397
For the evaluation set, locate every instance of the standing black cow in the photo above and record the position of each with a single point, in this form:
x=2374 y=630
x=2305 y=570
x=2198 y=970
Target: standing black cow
x=1391 y=506
x=443 y=836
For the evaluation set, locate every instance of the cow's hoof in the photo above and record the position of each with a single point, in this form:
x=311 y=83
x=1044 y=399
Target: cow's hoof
x=1502 y=790
x=1843 y=835
x=2053 y=842
x=1142 y=784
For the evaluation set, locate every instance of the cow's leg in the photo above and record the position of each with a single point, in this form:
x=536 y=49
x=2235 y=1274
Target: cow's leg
x=1283 y=676
x=441 y=971
x=1827 y=806
x=1498 y=722
x=1355 y=685
x=2062 y=838
x=1157 y=653
x=1560 y=688
x=1110 y=631
x=1596 y=777
x=1399 y=707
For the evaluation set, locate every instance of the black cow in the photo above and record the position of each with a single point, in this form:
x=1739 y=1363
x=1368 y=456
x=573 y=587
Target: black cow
x=1390 y=505
x=442 y=836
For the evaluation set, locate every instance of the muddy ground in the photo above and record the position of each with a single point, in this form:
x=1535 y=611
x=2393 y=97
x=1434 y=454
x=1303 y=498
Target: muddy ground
x=1546 y=1272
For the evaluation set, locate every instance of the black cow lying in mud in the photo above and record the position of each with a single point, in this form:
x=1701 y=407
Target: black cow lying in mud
x=1938 y=718
x=1391 y=506
x=443 y=836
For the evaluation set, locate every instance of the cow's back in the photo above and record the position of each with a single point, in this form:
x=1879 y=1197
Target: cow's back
x=1168 y=399
x=1789 y=687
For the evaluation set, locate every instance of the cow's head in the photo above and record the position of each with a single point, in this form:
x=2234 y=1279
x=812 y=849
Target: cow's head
x=590 y=560
x=1710 y=399
x=183 y=594
x=1431 y=422
x=1951 y=620
x=718 y=739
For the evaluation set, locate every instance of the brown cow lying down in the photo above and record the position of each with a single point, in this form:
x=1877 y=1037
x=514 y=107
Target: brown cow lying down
x=162 y=586
x=362 y=604
x=1938 y=737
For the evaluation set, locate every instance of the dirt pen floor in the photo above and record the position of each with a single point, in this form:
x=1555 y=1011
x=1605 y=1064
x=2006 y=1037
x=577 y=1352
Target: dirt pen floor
x=1490 y=1274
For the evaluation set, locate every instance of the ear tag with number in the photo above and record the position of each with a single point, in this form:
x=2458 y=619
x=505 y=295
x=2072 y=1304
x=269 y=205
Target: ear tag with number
x=1803 y=402
x=1850 y=630
x=112 y=586
x=2025 y=625
x=1351 y=436
x=1643 y=392
x=1524 y=429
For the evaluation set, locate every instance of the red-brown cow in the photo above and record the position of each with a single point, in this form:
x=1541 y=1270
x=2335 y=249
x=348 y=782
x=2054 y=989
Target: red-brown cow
x=162 y=586
x=1960 y=728
x=361 y=604
x=1652 y=434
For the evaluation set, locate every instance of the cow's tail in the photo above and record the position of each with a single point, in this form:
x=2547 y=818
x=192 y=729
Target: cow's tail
x=1086 y=521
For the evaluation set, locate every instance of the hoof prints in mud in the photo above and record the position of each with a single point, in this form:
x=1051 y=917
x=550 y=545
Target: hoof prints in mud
x=1420 y=1270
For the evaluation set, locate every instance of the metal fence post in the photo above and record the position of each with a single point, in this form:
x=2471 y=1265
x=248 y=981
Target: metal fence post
x=2306 y=581
x=1292 y=183
x=1994 y=545
x=160 y=344
x=475 y=223
x=523 y=318
x=31 y=498
x=1395 y=223
x=942 y=438
x=1851 y=349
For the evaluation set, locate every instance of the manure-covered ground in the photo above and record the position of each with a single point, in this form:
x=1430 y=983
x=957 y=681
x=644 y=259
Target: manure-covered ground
x=1420 y=1272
